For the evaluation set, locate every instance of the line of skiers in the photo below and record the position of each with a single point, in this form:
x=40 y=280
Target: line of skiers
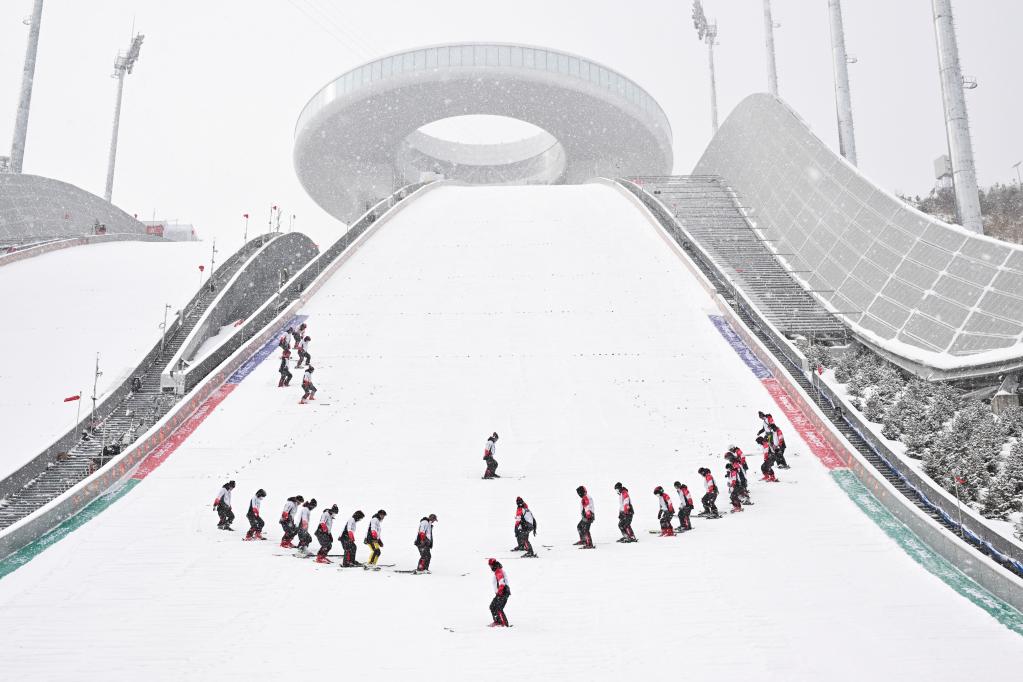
x=295 y=521
x=301 y=345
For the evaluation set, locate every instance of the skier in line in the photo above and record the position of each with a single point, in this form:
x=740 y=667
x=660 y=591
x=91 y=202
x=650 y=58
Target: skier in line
x=374 y=539
x=525 y=523
x=324 y=534
x=685 y=507
x=303 y=353
x=296 y=334
x=304 y=538
x=767 y=420
x=256 y=522
x=665 y=511
x=501 y=593
x=424 y=541
x=778 y=441
x=285 y=341
x=739 y=457
x=222 y=505
x=743 y=486
x=285 y=373
x=588 y=517
x=625 y=513
x=309 y=390
x=767 y=468
x=710 y=509
x=288 y=520
x=488 y=456
x=734 y=487
x=348 y=540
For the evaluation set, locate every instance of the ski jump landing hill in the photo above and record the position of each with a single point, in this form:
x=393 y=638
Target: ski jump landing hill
x=565 y=319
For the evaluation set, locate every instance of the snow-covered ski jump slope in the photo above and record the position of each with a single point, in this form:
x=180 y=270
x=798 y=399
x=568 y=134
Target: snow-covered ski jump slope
x=60 y=309
x=558 y=317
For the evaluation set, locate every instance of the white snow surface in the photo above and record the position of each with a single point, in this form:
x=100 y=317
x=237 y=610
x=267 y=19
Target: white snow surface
x=60 y=309
x=558 y=317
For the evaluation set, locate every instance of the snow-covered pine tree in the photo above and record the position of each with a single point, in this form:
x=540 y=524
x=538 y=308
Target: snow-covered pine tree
x=1005 y=494
x=1012 y=421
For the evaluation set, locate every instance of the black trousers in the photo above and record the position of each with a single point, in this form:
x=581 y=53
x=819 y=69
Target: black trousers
x=767 y=468
x=304 y=539
x=708 y=501
x=326 y=542
x=665 y=518
x=349 y=548
x=424 y=557
x=736 y=497
x=491 y=467
x=779 y=456
x=523 y=537
x=625 y=524
x=225 y=514
x=584 y=530
x=497 y=607
x=289 y=529
x=310 y=391
x=255 y=523
x=285 y=378
x=683 y=517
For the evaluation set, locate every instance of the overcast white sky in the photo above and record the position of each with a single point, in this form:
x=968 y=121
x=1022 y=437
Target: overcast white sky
x=208 y=116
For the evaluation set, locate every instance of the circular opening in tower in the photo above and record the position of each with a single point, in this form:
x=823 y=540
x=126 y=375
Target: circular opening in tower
x=483 y=129
x=483 y=149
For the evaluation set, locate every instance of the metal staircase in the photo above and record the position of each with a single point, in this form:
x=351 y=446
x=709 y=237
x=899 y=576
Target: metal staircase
x=709 y=213
x=119 y=423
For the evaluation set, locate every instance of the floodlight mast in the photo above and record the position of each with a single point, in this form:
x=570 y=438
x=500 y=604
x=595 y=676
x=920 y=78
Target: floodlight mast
x=957 y=122
x=708 y=32
x=772 y=69
x=843 y=99
x=27 y=79
x=123 y=65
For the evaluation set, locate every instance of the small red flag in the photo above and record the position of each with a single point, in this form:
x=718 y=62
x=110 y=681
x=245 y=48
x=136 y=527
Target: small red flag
x=245 y=215
x=960 y=480
x=201 y=268
x=71 y=399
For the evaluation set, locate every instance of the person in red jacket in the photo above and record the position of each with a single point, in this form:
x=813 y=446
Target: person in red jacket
x=347 y=539
x=325 y=534
x=734 y=487
x=588 y=517
x=710 y=508
x=525 y=523
x=665 y=511
x=767 y=468
x=222 y=505
x=778 y=441
x=501 y=593
x=424 y=542
x=625 y=513
x=488 y=456
x=256 y=522
x=685 y=501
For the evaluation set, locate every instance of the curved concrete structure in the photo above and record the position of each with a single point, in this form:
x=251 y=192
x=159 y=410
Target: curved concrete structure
x=357 y=138
x=934 y=298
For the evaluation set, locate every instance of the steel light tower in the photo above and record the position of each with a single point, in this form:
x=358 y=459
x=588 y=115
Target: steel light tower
x=123 y=65
x=957 y=122
x=843 y=100
x=27 y=78
x=772 y=69
x=708 y=32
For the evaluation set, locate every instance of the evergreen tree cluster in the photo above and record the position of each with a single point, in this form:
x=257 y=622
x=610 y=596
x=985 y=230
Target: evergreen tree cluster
x=1000 y=205
x=954 y=437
